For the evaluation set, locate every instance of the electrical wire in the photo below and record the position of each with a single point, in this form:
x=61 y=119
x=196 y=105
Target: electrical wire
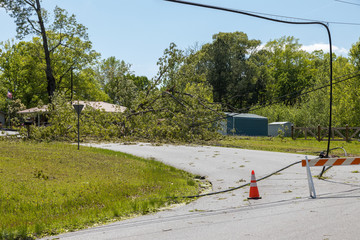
x=241 y=186
x=304 y=19
x=258 y=180
x=266 y=15
x=356 y=4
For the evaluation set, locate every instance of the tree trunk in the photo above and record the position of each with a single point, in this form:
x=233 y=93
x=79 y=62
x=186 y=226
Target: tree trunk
x=51 y=83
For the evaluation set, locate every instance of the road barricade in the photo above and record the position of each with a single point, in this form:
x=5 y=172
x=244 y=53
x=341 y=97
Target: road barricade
x=322 y=162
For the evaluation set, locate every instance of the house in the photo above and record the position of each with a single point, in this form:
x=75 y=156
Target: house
x=41 y=112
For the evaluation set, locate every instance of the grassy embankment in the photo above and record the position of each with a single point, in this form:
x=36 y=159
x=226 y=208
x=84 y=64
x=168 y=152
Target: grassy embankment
x=300 y=146
x=53 y=188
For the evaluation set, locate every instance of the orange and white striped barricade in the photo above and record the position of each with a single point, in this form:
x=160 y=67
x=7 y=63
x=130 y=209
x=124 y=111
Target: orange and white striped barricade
x=322 y=162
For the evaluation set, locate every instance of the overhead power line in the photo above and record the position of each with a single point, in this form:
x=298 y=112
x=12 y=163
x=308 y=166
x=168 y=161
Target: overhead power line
x=352 y=3
x=280 y=17
x=303 y=19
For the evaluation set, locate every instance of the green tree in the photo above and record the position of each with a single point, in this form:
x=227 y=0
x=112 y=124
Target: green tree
x=313 y=108
x=141 y=82
x=85 y=86
x=22 y=72
x=355 y=55
x=30 y=18
x=117 y=82
x=346 y=93
x=231 y=62
x=290 y=68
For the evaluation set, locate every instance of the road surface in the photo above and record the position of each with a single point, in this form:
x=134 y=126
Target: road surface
x=285 y=211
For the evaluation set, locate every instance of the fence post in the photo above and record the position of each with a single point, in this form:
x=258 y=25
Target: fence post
x=292 y=132
x=347 y=133
x=319 y=133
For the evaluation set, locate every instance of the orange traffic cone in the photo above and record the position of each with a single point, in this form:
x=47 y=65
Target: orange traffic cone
x=254 y=192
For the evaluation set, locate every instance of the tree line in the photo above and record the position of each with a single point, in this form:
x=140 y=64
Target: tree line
x=193 y=86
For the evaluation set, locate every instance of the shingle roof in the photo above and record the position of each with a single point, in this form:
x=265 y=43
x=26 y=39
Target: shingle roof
x=107 y=107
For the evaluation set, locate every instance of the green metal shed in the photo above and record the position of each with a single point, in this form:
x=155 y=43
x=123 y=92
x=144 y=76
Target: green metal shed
x=245 y=124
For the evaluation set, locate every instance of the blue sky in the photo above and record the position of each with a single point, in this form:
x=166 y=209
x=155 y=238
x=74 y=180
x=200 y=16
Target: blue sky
x=138 y=31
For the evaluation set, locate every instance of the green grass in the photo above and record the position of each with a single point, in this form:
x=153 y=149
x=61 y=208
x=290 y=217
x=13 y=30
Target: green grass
x=52 y=188
x=300 y=146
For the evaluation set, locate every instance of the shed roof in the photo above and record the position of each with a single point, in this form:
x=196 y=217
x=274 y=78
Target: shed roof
x=279 y=123
x=244 y=115
x=107 y=107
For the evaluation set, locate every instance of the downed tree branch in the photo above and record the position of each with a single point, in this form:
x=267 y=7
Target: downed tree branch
x=144 y=112
x=176 y=99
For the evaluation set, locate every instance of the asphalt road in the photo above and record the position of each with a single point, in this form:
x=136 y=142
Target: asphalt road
x=285 y=211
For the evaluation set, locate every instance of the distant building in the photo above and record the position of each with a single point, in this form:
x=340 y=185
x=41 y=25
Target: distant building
x=107 y=107
x=280 y=127
x=245 y=124
x=40 y=112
